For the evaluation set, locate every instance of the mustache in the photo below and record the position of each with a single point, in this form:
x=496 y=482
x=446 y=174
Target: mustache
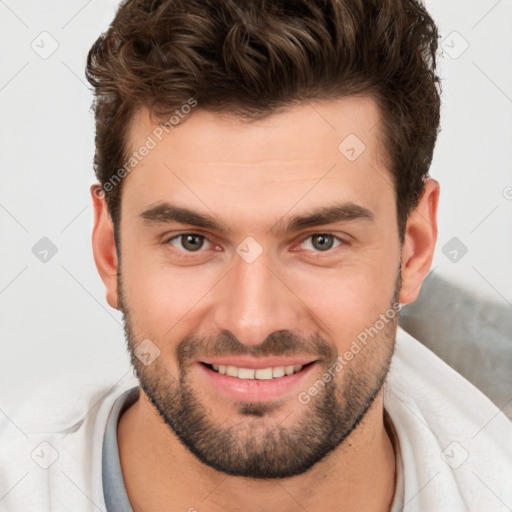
x=278 y=343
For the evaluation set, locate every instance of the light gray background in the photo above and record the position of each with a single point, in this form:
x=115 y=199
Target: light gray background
x=55 y=322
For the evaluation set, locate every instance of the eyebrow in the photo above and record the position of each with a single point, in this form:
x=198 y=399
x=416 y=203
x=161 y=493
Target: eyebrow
x=165 y=213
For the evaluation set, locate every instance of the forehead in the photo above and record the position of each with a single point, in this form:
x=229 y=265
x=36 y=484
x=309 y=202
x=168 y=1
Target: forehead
x=310 y=128
x=319 y=151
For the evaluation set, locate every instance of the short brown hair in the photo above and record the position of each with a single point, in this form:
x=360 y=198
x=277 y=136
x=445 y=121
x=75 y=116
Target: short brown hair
x=253 y=58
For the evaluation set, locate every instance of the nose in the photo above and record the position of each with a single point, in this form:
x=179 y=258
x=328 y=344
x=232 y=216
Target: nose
x=255 y=301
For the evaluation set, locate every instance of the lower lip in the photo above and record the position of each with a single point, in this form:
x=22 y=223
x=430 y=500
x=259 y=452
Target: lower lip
x=254 y=390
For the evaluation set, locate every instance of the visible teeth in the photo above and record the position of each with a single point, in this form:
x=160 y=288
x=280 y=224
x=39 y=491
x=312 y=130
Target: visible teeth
x=263 y=373
x=232 y=371
x=289 y=369
x=246 y=373
x=260 y=373
x=278 y=371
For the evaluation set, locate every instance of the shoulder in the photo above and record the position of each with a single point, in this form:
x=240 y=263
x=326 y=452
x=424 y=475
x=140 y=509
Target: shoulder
x=50 y=445
x=456 y=441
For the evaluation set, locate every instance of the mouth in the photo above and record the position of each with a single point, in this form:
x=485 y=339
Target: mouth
x=268 y=373
x=256 y=381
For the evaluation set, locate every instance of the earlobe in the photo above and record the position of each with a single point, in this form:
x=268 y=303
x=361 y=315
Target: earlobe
x=103 y=245
x=419 y=243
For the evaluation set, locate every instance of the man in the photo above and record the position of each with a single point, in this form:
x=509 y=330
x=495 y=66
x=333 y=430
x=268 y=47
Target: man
x=263 y=210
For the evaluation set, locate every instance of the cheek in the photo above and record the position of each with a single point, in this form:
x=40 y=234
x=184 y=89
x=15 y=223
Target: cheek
x=347 y=299
x=164 y=308
x=163 y=297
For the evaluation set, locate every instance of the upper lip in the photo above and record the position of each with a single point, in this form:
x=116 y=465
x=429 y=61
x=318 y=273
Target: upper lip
x=257 y=363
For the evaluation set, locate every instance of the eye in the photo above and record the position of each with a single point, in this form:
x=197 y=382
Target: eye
x=191 y=242
x=323 y=242
x=194 y=242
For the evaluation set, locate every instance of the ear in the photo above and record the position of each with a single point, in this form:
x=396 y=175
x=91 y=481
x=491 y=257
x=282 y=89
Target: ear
x=103 y=245
x=419 y=242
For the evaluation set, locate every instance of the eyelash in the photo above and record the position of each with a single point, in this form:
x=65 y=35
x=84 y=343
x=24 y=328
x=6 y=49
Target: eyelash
x=180 y=235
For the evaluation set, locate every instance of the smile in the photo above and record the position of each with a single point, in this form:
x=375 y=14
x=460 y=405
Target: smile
x=258 y=374
x=268 y=382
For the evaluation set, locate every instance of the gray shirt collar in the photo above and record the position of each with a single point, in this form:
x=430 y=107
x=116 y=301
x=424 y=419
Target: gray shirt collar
x=114 y=490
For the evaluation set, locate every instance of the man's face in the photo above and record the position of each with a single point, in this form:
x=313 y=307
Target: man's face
x=256 y=295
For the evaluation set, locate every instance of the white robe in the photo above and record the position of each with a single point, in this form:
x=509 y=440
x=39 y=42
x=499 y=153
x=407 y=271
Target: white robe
x=455 y=444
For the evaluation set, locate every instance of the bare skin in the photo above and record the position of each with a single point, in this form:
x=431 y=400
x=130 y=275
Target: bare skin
x=250 y=177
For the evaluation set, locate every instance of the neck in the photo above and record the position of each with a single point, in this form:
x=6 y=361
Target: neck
x=159 y=472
